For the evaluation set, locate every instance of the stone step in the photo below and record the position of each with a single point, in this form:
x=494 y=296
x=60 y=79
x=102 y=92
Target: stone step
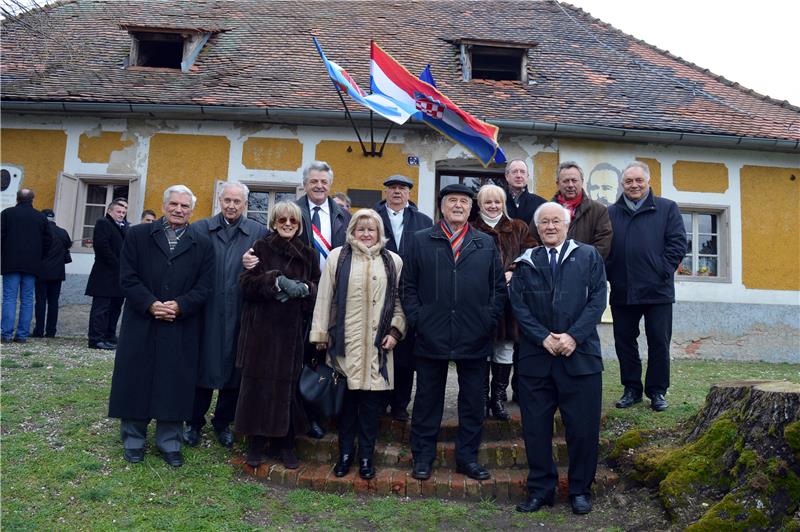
x=503 y=453
x=506 y=484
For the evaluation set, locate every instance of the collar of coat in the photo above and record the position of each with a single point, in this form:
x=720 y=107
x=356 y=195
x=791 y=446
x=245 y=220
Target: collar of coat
x=382 y=205
x=215 y=223
x=505 y=225
x=648 y=205
x=528 y=255
x=582 y=206
x=161 y=242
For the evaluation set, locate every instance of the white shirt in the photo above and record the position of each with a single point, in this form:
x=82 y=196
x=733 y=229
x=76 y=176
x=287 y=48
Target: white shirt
x=558 y=250
x=324 y=222
x=396 y=219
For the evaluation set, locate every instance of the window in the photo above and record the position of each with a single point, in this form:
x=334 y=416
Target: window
x=495 y=60
x=165 y=48
x=260 y=201
x=363 y=198
x=707 y=257
x=81 y=199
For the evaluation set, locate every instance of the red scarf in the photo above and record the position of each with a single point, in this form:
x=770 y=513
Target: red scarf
x=570 y=204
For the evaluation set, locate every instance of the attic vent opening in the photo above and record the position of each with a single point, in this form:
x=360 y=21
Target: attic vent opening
x=165 y=48
x=495 y=60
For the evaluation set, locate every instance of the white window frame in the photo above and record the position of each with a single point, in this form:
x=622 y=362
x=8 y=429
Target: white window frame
x=723 y=242
x=70 y=201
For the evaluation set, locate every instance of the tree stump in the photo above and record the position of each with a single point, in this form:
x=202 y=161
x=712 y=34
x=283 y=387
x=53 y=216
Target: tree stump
x=738 y=466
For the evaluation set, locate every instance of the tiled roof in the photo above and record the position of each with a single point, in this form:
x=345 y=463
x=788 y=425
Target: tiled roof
x=585 y=71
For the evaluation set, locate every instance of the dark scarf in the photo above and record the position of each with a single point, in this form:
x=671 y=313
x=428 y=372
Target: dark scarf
x=570 y=204
x=339 y=305
x=173 y=235
x=456 y=239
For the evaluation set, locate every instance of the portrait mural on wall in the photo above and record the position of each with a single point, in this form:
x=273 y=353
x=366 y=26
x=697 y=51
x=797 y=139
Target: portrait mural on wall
x=602 y=183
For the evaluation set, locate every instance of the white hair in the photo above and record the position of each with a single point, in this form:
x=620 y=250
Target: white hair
x=228 y=184
x=319 y=166
x=551 y=204
x=179 y=189
x=638 y=164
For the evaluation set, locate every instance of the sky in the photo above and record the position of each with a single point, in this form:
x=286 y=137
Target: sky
x=754 y=42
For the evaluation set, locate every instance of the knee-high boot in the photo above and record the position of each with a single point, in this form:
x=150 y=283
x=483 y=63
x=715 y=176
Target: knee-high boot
x=500 y=375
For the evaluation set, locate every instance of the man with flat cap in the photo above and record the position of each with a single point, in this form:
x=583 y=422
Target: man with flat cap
x=453 y=292
x=401 y=220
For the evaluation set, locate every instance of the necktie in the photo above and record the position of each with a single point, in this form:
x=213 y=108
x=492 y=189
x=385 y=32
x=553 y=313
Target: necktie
x=554 y=261
x=315 y=218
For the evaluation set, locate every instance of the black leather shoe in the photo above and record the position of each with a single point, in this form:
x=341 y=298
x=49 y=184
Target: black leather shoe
x=658 y=402
x=289 y=459
x=134 y=456
x=535 y=503
x=400 y=415
x=628 y=399
x=191 y=436
x=175 y=458
x=342 y=467
x=102 y=345
x=474 y=471
x=366 y=470
x=225 y=437
x=421 y=470
x=581 y=504
x=316 y=431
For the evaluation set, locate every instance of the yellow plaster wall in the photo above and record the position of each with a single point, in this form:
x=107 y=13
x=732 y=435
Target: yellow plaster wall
x=353 y=170
x=655 y=173
x=693 y=176
x=40 y=153
x=196 y=161
x=545 y=164
x=98 y=148
x=770 y=227
x=260 y=153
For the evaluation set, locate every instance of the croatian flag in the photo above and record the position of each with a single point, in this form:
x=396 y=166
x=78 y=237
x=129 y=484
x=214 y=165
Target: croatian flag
x=424 y=102
x=375 y=102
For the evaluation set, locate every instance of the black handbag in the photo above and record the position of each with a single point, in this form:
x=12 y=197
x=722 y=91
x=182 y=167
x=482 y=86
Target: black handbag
x=322 y=388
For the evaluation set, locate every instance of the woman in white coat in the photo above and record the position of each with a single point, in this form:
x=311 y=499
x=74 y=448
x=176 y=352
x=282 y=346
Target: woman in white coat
x=358 y=320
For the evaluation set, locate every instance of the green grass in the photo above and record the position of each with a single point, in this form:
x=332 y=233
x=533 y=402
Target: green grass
x=62 y=466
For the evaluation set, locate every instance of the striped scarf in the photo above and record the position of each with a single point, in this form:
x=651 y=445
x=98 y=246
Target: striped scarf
x=456 y=239
x=173 y=235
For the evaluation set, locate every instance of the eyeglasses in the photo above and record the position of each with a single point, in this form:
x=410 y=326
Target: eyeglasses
x=283 y=219
x=545 y=223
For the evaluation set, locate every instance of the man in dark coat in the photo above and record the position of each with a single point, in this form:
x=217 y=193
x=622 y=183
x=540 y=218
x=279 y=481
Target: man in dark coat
x=401 y=220
x=103 y=284
x=48 y=285
x=558 y=293
x=24 y=242
x=589 y=221
x=453 y=292
x=649 y=242
x=231 y=234
x=167 y=274
x=520 y=203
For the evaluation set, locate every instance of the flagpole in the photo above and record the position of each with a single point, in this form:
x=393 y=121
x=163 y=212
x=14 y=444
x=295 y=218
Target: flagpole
x=347 y=113
x=391 y=125
x=371 y=134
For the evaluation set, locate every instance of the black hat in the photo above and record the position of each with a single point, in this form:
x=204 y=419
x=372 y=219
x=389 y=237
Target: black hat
x=49 y=214
x=398 y=180
x=456 y=188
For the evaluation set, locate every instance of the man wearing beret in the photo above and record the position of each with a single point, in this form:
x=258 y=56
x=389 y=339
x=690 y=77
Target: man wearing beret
x=453 y=292
x=401 y=220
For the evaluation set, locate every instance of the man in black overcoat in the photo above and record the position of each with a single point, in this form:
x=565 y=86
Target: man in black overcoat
x=167 y=274
x=48 y=284
x=453 y=291
x=231 y=234
x=558 y=293
x=401 y=220
x=103 y=284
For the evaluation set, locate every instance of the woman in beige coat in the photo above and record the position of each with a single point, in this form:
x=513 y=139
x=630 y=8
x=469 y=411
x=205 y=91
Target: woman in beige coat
x=358 y=319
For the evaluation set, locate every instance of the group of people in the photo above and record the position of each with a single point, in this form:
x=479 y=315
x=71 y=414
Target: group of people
x=228 y=304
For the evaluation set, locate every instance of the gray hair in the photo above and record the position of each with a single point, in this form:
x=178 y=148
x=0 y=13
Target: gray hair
x=509 y=163
x=638 y=164
x=344 y=197
x=179 y=189
x=493 y=190
x=551 y=204
x=241 y=186
x=319 y=166
x=286 y=208
x=568 y=164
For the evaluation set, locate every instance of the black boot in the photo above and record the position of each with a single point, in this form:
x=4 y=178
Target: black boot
x=255 y=450
x=500 y=375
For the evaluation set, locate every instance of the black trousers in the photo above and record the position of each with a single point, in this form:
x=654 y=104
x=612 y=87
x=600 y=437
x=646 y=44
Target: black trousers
x=224 y=412
x=429 y=406
x=579 y=400
x=403 y=383
x=47 y=294
x=360 y=415
x=658 y=329
x=103 y=318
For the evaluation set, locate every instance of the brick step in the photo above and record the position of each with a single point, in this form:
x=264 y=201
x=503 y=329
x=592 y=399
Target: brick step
x=504 y=453
x=506 y=484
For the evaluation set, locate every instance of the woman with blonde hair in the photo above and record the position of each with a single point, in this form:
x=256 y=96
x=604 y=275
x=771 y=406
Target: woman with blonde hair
x=358 y=320
x=512 y=237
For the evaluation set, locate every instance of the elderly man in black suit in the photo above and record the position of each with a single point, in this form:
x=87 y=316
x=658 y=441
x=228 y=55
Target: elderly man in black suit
x=167 y=274
x=453 y=292
x=103 y=284
x=558 y=293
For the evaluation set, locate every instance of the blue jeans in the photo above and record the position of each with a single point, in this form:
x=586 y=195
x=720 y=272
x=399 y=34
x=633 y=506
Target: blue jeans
x=13 y=284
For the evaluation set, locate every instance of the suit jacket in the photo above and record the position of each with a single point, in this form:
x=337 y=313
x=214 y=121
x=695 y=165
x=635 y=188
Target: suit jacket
x=339 y=220
x=107 y=243
x=572 y=302
x=25 y=239
x=528 y=203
